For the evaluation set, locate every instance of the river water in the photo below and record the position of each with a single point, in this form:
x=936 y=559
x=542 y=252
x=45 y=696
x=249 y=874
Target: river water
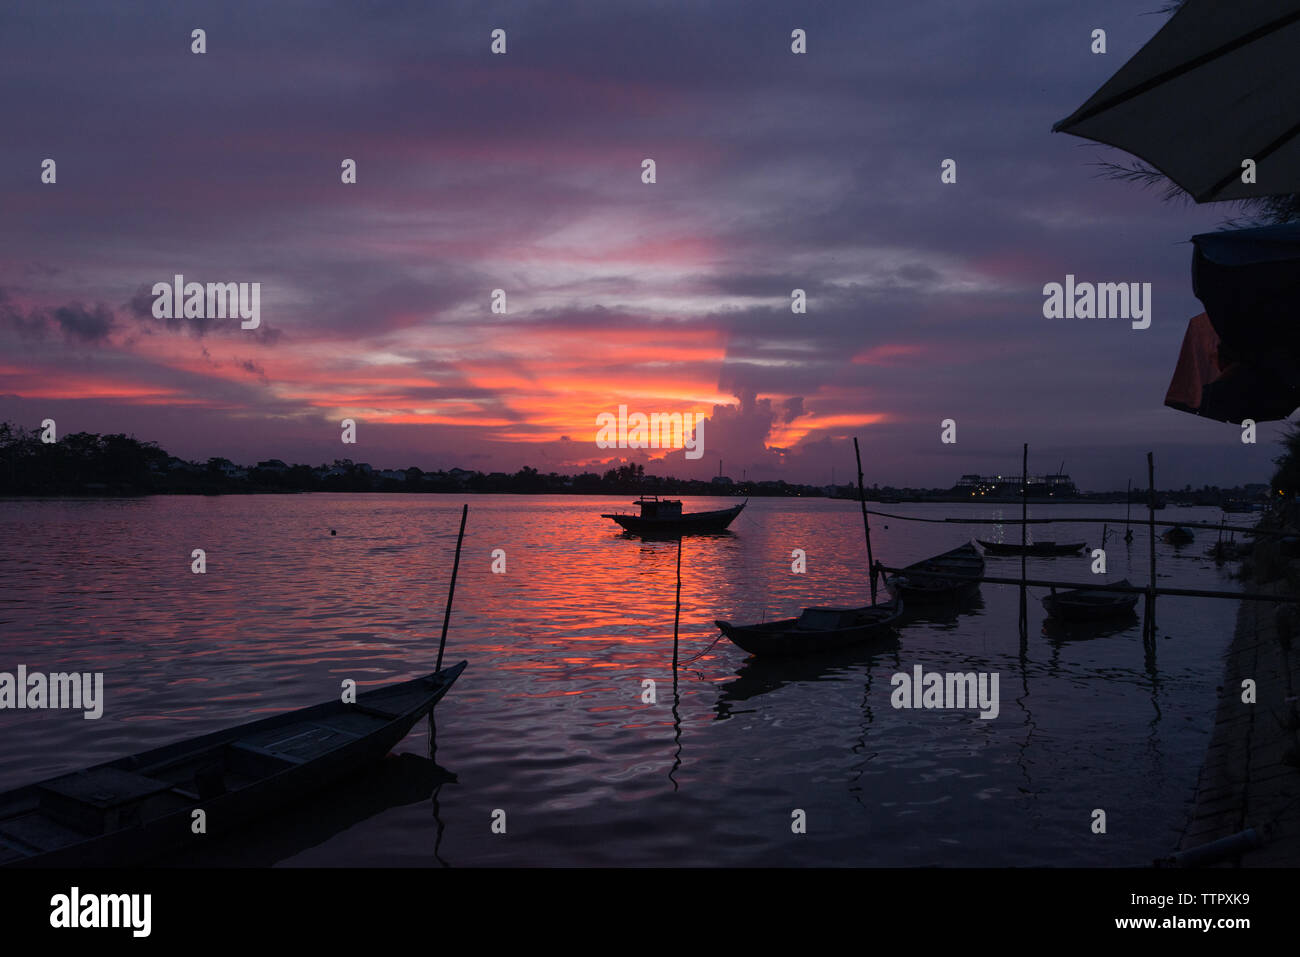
x=548 y=730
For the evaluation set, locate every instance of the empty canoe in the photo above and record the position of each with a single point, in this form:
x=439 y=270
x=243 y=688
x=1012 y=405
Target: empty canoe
x=815 y=630
x=1040 y=549
x=943 y=578
x=1091 y=604
x=138 y=807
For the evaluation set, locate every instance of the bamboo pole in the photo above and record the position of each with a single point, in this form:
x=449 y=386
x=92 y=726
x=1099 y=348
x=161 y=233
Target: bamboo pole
x=1149 y=619
x=677 y=611
x=1024 y=539
x=866 y=525
x=1125 y=589
x=1088 y=520
x=451 y=591
x=1024 y=507
x=1128 y=510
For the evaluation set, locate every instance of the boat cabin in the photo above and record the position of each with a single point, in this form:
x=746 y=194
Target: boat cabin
x=654 y=507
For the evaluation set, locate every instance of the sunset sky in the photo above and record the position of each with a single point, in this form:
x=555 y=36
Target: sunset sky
x=523 y=172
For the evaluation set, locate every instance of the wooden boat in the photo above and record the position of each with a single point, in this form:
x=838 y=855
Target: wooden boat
x=1177 y=536
x=137 y=807
x=815 y=630
x=943 y=578
x=1090 y=604
x=664 y=517
x=1034 y=548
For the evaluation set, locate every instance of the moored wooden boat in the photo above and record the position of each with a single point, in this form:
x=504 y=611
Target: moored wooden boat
x=1091 y=604
x=139 y=807
x=664 y=517
x=1039 y=549
x=815 y=630
x=943 y=578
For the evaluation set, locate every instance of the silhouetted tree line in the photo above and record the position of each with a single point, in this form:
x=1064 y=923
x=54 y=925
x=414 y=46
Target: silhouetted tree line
x=76 y=464
x=85 y=463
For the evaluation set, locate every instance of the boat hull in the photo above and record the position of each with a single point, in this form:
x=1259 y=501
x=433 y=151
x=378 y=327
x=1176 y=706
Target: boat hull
x=950 y=577
x=1038 y=549
x=694 y=523
x=787 y=638
x=140 y=807
x=1090 y=604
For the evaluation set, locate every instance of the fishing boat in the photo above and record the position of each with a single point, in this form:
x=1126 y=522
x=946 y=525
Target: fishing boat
x=1092 y=603
x=1039 y=549
x=815 y=630
x=944 y=578
x=141 y=806
x=664 y=517
x=1178 y=536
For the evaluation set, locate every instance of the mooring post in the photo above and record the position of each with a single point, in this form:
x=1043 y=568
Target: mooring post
x=1024 y=539
x=862 y=498
x=1128 y=510
x=1149 y=618
x=451 y=591
x=677 y=611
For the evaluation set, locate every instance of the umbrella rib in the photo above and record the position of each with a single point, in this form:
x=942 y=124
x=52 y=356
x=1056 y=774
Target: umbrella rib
x=1258 y=156
x=1186 y=67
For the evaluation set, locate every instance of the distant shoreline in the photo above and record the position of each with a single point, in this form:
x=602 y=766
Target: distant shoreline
x=107 y=493
x=86 y=465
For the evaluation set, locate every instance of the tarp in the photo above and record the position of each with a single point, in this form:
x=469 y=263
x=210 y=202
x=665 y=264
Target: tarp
x=1249 y=281
x=1241 y=358
x=1218 y=84
x=1208 y=382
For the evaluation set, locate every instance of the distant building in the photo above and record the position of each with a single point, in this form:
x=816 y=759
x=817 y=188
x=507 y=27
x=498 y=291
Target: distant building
x=1055 y=485
x=273 y=465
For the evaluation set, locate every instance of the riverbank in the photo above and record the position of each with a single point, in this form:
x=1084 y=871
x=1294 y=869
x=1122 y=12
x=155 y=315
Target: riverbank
x=1251 y=774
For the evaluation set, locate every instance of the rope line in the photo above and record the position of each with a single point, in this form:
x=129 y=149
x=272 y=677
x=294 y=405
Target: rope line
x=704 y=652
x=1076 y=521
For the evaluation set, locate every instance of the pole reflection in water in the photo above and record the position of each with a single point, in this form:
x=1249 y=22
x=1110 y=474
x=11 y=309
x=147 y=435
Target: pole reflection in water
x=677 y=717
